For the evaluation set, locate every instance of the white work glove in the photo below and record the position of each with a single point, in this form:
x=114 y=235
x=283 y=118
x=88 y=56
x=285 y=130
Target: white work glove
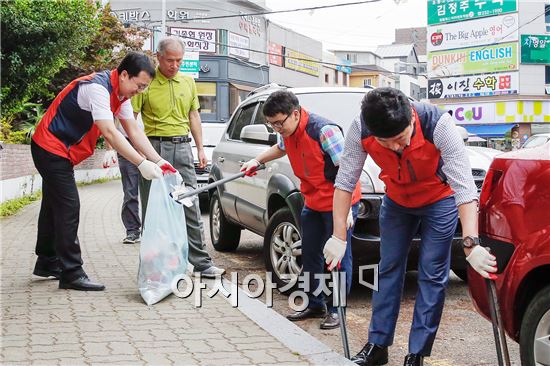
x=109 y=158
x=349 y=220
x=249 y=168
x=149 y=170
x=482 y=261
x=166 y=167
x=334 y=251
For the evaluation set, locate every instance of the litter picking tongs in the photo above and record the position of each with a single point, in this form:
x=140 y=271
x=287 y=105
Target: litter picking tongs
x=182 y=194
x=341 y=310
x=498 y=328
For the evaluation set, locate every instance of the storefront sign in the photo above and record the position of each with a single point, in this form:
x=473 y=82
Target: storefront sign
x=190 y=65
x=473 y=33
x=275 y=54
x=199 y=40
x=132 y=15
x=239 y=41
x=476 y=60
x=297 y=61
x=251 y=25
x=446 y=11
x=517 y=111
x=474 y=85
x=535 y=49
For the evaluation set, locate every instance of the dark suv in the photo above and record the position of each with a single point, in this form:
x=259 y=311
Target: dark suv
x=270 y=203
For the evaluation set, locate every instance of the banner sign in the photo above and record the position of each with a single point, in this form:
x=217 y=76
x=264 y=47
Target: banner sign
x=275 y=54
x=239 y=41
x=446 y=11
x=474 y=85
x=197 y=40
x=473 y=33
x=477 y=60
x=298 y=61
x=535 y=49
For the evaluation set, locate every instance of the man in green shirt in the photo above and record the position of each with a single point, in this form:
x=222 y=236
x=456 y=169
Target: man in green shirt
x=170 y=110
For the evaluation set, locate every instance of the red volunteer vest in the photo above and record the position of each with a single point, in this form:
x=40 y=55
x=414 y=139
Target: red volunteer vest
x=312 y=165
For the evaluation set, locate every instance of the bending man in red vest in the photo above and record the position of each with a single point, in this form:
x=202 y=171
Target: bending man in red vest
x=66 y=135
x=427 y=174
x=313 y=145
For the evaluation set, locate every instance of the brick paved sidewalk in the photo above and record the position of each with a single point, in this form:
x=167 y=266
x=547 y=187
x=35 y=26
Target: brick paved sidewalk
x=42 y=324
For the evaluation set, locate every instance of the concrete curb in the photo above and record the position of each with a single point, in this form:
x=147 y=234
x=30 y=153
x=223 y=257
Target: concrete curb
x=289 y=334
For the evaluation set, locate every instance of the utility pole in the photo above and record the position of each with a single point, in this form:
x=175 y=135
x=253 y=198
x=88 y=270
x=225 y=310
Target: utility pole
x=163 y=17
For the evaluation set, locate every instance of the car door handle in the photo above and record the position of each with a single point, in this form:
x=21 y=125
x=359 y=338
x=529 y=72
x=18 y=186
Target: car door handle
x=221 y=159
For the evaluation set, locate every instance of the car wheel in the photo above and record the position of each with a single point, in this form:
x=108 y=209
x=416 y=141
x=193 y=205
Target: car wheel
x=283 y=250
x=534 y=340
x=224 y=234
x=462 y=274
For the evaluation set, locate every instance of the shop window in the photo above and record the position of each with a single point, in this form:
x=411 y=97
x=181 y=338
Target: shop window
x=237 y=93
x=207 y=96
x=547 y=17
x=367 y=82
x=326 y=78
x=345 y=77
x=336 y=77
x=547 y=74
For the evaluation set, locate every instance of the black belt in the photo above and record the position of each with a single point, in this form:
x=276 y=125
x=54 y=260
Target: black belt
x=172 y=139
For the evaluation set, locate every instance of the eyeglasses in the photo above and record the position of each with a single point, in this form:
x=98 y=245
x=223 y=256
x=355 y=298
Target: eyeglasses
x=278 y=124
x=141 y=87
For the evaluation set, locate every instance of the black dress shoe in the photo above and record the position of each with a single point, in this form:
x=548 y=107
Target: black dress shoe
x=307 y=314
x=414 y=359
x=371 y=355
x=82 y=284
x=331 y=321
x=47 y=267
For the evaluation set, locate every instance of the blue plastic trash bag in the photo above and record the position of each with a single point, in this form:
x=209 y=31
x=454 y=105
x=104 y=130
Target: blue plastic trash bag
x=164 y=247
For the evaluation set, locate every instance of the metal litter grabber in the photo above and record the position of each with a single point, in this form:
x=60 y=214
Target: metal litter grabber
x=341 y=310
x=183 y=193
x=498 y=328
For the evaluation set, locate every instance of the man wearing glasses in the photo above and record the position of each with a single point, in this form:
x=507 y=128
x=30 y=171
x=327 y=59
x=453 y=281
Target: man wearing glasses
x=66 y=135
x=313 y=145
x=170 y=111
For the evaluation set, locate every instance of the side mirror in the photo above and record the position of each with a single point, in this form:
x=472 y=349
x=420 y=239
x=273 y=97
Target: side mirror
x=258 y=134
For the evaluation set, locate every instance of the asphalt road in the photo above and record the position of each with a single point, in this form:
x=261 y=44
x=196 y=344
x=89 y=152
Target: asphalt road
x=464 y=337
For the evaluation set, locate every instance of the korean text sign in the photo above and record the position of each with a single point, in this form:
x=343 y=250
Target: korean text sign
x=446 y=11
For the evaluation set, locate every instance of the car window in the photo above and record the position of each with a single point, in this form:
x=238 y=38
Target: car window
x=338 y=107
x=260 y=118
x=244 y=118
x=535 y=141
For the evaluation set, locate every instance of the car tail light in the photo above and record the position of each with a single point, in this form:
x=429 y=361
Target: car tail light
x=489 y=185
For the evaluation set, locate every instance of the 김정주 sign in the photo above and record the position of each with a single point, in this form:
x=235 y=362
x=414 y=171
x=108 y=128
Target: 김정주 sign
x=473 y=33
x=446 y=11
x=474 y=85
x=535 y=49
x=477 y=60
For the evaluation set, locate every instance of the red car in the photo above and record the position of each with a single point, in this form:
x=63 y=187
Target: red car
x=514 y=221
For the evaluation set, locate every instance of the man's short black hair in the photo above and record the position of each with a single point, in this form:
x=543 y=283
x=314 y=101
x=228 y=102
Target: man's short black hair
x=136 y=62
x=281 y=101
x=386 y=112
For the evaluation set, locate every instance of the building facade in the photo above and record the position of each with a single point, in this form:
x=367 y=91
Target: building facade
x=489 y=63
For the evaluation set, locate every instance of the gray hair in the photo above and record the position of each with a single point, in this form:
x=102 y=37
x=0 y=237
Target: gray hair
x=168 y=43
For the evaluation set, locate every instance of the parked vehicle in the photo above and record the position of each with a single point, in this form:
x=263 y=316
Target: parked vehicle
x=269 y=204
x=515 y=224
x=536 y=140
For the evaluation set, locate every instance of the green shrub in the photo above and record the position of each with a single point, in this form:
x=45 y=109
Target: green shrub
x=11 y=207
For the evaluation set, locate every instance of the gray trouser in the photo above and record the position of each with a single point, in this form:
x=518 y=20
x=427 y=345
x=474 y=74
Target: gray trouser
x=130 y=206
x=181 y=157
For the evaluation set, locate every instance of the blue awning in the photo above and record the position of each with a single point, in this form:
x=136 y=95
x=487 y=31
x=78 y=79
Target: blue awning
x=495 y=130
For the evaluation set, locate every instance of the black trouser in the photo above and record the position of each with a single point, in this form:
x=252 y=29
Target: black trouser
x=59 y=213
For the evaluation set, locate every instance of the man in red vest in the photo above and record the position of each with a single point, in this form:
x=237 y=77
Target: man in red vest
x=427 y=174
x=313 y=145
x=66 y=135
